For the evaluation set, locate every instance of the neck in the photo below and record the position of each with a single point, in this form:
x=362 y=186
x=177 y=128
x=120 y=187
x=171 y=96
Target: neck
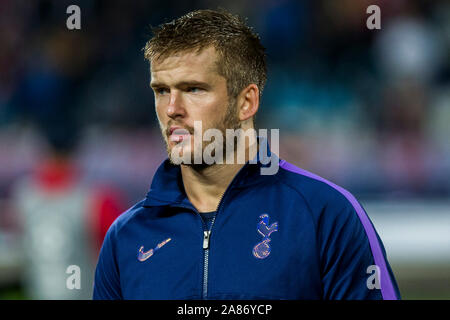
x=205 y=185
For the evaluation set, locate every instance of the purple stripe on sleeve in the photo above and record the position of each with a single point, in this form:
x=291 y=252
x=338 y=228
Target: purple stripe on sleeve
x=387 y=289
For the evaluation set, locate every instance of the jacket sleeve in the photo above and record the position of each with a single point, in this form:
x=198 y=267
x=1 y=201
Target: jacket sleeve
x=352 y=256
x=107 y=281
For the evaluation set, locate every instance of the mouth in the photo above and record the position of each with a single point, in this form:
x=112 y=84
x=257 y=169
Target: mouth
x=178 y=134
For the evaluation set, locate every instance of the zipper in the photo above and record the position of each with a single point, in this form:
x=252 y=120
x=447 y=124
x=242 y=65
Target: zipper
x=206 y=241
x=207 y=238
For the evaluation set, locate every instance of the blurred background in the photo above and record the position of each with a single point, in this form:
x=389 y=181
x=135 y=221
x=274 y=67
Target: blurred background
x=79 y=140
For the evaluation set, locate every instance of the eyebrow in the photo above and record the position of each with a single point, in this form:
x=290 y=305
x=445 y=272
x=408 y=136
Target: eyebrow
x=189 y=83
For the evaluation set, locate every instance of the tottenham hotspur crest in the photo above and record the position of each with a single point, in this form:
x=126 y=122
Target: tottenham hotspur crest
x=262 y=249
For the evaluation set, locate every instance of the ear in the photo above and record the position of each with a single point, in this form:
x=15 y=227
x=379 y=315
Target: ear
x=248 y=102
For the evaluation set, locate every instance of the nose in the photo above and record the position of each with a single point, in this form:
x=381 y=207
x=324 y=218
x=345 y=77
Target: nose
x=175 y=107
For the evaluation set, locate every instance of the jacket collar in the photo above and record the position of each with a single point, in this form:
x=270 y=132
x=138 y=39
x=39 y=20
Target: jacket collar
x=167 y=185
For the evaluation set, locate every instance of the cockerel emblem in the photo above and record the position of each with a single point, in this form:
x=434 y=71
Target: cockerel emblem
x=262 y=249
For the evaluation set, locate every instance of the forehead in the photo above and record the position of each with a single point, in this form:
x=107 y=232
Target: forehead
x=190 y=63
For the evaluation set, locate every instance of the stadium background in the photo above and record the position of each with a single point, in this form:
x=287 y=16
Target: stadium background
x=366 y=109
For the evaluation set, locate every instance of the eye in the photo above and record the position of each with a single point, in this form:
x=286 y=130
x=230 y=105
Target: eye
x=161 y=90
x=194 y=89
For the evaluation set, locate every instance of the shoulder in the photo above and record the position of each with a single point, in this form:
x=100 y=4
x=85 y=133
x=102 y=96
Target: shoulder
x=126 y=218
x=321 y=195
x=336 y=212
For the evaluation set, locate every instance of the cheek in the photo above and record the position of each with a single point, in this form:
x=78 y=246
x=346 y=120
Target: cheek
x=213 y=110
x=160 y=113
x=211 y=118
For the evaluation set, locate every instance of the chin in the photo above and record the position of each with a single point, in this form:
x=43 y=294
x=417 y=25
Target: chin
x=183 y=153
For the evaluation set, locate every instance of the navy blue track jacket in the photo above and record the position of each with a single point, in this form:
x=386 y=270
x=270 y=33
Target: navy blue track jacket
x=291 y=235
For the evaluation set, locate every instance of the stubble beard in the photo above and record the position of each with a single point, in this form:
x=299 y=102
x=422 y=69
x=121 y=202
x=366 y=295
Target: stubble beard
x=229 y=121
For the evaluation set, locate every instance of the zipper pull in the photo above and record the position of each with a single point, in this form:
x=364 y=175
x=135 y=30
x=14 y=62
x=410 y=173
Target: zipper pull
x=206 y=235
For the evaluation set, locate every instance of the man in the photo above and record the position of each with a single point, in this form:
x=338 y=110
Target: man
x=224 y=230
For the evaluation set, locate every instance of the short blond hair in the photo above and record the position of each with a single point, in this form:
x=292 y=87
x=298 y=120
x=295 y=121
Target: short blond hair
x=241 y=56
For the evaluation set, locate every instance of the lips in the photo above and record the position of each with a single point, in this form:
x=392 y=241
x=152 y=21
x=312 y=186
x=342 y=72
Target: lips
x=178 y=134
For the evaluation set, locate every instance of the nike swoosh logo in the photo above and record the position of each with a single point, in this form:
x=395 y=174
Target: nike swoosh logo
x=142 y=256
